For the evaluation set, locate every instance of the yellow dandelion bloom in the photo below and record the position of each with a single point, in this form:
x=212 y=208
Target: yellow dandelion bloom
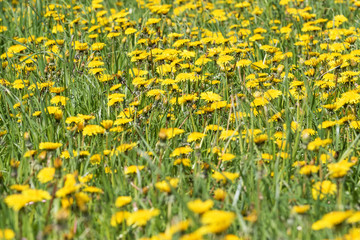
x=210 y=97
x=107 y=123
x=19 y=187
x=49 y=145
x=118 y=218
x=321 y=189
x=194 y=136
x=355 y=124
x=30 y=153
x=166 y=185
x=46 y=174
x=213 y=127
x=181 y=150
x=125 y=147
x=228 y=133
x=309 y=169
x=18 y=201
x=81 y=46
x=6 y=233
x=70 y=186
x=300 y=209
x=59 y=99
x=122 y=121
x=141 y=217
x=217 y=221
x=331 y=219
x=184 y=161
x=219 y=194
x=95 y=159
x=339 y=169
x=90 y=130
x=317 y=143
x=172 y=132
x=226 y=157
x=129 y=31
x=92 y=189
x=97 y=46
x=224 y=176
x=243 y=63
x=199 y=206
x=355 y=217
x=122 y=201
x=133 y=169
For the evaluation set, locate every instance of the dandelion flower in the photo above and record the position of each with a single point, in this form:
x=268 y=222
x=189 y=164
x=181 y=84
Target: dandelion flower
x=321 y=189
x=210 y=97
x=141 y=217
x=198 y=206
x=90 y=130
x=194 y=136
x=331 y=219
x=46 y=174
x=122 y=201
x=217 y=221
x=49 y=145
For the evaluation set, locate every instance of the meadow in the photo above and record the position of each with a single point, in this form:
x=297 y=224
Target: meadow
x=184 y=120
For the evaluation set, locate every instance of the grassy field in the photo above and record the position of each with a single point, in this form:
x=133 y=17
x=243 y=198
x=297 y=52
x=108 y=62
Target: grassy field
x=179 y=119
